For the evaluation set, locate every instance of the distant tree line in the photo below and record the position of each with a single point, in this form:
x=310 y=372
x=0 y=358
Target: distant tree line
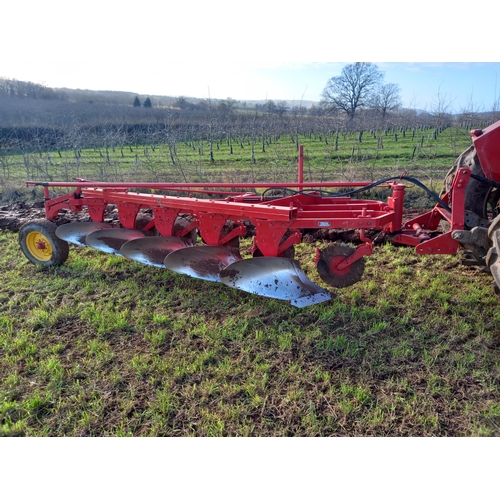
x=27 y=90
x=29 y=123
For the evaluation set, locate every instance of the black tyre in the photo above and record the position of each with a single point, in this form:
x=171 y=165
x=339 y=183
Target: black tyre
x=40 y=244
x=479 y=197
x=331 y=257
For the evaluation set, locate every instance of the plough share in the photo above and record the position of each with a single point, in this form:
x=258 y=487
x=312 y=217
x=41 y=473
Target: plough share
x=192 y=232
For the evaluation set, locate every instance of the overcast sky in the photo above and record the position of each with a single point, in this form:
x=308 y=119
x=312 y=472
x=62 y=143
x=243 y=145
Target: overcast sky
x=216 y=49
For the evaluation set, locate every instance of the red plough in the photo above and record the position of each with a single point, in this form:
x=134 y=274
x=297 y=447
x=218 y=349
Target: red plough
x=278 y=216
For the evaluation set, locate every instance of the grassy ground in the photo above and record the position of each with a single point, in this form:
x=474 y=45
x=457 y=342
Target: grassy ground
x=103 y=346
x=423 y=152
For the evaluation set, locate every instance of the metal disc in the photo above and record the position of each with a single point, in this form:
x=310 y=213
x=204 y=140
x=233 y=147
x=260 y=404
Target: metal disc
x=111 y=240
x=76 y=232
x=274 y=277
x=153 y=250
x=204 y=263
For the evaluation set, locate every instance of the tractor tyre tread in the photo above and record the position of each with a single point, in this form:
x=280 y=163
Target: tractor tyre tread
x=477 y=192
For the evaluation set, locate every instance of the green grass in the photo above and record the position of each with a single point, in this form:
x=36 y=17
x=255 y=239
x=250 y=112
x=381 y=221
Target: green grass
x=107 y=347
x=327 y=157
x=103 y=346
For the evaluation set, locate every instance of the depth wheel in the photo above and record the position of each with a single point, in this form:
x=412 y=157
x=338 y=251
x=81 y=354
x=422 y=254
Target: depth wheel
x=40 y=244
x=330 y=258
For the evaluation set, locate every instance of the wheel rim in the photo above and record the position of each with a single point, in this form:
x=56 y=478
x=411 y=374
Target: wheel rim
x=327 y=266
x=39 y=246
x=490 y=205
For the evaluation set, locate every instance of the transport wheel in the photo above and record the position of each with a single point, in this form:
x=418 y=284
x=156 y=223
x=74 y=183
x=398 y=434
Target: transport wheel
x=40 y=244
x=330 y=258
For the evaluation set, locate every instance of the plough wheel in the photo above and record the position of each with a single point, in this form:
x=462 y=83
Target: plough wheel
x=330 y=258
x=40 y=244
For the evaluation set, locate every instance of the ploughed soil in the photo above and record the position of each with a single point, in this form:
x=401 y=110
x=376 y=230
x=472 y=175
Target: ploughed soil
x=12 y=217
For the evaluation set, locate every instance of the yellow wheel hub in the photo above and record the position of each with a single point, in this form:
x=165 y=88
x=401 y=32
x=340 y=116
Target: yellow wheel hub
x=39 y=246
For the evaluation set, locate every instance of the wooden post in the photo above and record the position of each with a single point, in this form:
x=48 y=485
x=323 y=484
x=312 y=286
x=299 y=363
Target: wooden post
x=300 y=178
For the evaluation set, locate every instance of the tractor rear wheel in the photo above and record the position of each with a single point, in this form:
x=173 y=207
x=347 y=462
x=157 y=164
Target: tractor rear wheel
x=40 y=244
x=480 y=198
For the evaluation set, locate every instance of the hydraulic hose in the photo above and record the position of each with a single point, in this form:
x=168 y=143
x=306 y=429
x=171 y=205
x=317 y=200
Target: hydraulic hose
x=332 y=194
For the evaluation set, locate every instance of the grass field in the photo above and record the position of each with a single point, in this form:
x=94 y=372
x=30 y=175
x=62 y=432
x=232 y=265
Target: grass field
x=103 y=346
x=424 y=153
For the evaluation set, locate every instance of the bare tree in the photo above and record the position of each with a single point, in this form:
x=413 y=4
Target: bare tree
x=270 y=106
x=181 y=103
x=387 y=99
x=495 y=110
x=22 y=89
x=282 y=108
x=226 y=107
x=469 y=114
x=441 y=110
x=298 y=110
x=353 y=89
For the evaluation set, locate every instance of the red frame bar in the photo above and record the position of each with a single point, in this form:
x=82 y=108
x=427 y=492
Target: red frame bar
x=277 y=221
